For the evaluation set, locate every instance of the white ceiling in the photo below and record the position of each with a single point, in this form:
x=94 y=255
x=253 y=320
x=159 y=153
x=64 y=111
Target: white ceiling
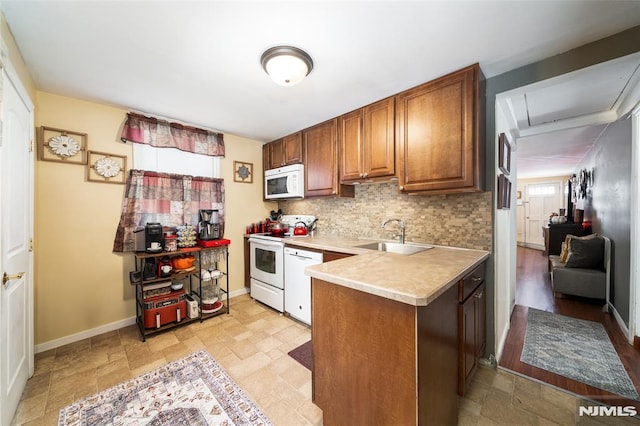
x=556 y=122
x=199 y=62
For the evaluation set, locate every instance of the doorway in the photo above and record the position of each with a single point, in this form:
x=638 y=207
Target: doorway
x=529 y=111
x=508 y=275
x=539 y=200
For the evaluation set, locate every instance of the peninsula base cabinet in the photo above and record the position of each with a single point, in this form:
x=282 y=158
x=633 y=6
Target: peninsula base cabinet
x=383 y=362
x=472 y=312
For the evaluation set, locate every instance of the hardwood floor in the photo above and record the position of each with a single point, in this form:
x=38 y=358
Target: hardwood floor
x=533 y=289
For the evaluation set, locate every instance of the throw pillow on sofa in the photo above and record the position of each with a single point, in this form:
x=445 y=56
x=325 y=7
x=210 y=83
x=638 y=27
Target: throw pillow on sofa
x=585 y=253
x=564 y=252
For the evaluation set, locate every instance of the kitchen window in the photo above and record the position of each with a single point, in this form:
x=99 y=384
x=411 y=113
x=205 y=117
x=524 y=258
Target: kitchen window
x=175 y=173
x=172 y=160
x=542 y=189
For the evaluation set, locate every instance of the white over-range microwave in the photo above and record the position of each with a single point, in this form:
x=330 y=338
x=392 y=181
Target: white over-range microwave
x=284 y=182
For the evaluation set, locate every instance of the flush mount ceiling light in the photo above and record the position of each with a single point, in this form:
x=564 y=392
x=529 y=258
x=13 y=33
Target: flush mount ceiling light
x=286 y=65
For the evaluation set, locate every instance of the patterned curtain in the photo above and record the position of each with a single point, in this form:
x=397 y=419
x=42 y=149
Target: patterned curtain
x=163 y=134
x=168 y=199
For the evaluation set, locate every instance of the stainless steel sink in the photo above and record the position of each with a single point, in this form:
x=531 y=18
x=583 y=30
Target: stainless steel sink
x=395 y=247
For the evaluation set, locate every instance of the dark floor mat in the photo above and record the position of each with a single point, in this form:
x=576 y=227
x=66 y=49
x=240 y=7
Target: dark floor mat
x=303 y=354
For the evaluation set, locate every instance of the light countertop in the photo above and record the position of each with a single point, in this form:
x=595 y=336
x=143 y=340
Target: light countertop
x=416 y=279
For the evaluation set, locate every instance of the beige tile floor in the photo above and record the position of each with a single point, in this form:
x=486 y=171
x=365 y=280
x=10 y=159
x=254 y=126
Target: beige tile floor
x=252 y=343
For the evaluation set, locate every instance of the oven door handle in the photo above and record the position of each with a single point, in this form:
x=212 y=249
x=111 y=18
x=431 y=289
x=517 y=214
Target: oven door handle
x=266 y=243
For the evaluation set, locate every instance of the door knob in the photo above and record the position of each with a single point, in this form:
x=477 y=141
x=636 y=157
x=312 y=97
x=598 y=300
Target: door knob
x=6 y=278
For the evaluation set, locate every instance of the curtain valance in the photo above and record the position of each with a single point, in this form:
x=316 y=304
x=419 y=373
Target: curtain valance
x=164 y=134
x=165 y=198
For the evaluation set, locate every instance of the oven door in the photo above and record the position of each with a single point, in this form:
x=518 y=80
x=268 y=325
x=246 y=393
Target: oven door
x=267 y=261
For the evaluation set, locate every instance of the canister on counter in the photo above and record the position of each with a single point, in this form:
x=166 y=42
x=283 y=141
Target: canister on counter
x=171 y=243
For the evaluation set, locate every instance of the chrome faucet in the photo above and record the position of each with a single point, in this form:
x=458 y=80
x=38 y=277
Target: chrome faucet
x=400 y=223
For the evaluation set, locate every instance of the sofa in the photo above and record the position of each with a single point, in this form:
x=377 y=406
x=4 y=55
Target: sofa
x=582 y=268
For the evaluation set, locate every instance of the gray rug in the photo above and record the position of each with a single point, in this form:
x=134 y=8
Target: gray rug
x=577 y=349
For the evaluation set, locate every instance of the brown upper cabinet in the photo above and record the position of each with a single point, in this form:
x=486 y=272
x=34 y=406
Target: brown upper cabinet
x=285 y=151
x=366 y=139
x=439 y=134
x=320 y=148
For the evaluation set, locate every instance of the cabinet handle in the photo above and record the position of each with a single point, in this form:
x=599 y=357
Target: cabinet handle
x=479 y=295
x=476 y=279
x=401 y=188
x=366 y=174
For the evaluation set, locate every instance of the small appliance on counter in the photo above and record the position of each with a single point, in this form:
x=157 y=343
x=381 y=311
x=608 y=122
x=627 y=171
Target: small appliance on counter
x=150 y=238
x=209 y=225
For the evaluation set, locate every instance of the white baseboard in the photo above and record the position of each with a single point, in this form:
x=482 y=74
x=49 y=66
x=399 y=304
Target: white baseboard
x=243 y=290
x=530 y=245
x=501 y=341
x=619 y=320
x=86 y=334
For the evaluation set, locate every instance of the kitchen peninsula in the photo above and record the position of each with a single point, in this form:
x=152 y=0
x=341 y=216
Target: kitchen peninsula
x=385 y=333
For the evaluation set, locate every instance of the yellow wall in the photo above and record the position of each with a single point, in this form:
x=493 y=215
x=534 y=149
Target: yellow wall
x=243 y=201
x=80 y=284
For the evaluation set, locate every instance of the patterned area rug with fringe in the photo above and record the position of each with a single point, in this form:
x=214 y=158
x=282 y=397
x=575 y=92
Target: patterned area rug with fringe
x=577 y=349
x=194 y=390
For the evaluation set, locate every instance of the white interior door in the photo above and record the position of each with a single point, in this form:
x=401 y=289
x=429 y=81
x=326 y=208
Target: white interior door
x=541 y=200
x=16 y=291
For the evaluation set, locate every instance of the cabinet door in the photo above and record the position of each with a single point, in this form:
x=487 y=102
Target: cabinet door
x=320 y=159
x=379 y=139
x=247 y=263
x=265 y=165
x=467 y=356
x=266 y=161
x=276 y=154
x=437 y=147
x=292 y=149
x=472 y=335
x=350 y=145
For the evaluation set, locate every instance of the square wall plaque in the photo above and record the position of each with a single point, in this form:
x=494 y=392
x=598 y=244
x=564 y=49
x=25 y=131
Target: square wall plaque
x=62 y=146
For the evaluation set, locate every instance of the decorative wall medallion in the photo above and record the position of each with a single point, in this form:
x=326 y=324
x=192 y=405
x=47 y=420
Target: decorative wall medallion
x=64 y=146
x=243 y=172
x=106 y=168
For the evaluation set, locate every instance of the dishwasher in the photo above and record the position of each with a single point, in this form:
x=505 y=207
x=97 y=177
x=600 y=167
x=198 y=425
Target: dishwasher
x=297 y=285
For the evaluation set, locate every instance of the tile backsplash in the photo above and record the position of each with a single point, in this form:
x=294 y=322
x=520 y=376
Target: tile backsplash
x=460 y=220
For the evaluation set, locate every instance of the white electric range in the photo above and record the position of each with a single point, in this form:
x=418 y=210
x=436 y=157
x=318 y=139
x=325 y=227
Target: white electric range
x=267 y=262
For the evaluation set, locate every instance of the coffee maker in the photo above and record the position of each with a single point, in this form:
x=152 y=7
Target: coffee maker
x=209 y=225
